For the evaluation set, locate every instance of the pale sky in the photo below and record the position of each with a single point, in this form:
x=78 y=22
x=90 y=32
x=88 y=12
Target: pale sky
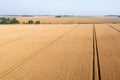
x=59 y=7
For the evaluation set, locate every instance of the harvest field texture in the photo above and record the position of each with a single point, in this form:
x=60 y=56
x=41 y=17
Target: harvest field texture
x=69 y=20
x=60 y=51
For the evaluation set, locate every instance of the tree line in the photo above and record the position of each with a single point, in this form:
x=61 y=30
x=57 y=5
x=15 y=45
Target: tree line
x=32 y=22
x=15 y=21
x=8 y=21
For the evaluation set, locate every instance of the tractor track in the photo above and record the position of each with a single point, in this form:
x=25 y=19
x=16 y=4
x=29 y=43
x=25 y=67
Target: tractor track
x=17 y=39
x=114 y=28
x=95 y=55
x=34 y=54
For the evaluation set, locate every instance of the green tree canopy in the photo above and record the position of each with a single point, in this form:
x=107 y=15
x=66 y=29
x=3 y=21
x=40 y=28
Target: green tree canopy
x=8 y=21
x=14 y=21
x=37 y=22
x=30 y=22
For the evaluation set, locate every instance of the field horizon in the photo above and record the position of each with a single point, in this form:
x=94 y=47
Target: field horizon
x=60 y=40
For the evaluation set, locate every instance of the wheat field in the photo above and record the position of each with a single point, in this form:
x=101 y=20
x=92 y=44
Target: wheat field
x=60 y=52
x=54 y=20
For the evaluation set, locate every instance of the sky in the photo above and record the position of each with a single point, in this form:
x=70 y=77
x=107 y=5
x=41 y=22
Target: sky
x=59 y=7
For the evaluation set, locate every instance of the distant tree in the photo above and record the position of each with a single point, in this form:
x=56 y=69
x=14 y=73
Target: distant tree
x=14 y=21
x=58 y=16
x=30 y=22
x=8 y=21
x=23 y=22
x=0 y=21
x=5 y=21
x=37 y=22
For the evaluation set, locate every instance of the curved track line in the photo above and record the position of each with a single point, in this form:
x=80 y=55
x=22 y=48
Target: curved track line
x=12 y=32
x=114 y=28
x=23 y=37
x=33 y=55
